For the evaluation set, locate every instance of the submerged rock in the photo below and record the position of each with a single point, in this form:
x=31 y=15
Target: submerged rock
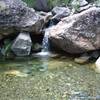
x=82 y=59
x=16 y=73
x=16 y=16
x=77 y=33
x=22 y=45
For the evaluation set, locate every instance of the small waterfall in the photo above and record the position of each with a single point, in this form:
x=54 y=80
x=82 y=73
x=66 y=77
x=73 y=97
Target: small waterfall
x=45 y=43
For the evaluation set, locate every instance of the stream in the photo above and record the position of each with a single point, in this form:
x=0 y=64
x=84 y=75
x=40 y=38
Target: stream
x=41 y=78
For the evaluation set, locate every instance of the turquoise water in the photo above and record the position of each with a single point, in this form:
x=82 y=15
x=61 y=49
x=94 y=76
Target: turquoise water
x=44 y=78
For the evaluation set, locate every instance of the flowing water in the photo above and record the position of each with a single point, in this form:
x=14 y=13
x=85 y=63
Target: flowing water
x=45 y=45
x=62 y=79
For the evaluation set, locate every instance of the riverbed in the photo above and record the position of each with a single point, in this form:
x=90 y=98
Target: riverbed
x=47 y=78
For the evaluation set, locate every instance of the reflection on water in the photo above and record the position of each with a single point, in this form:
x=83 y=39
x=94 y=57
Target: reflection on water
x=48 y=79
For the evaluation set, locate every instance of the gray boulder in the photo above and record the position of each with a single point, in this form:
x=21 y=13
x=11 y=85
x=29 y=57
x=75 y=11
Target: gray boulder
x=77 y=33
x=16 y=16
x=60 y=12
x=22 y=45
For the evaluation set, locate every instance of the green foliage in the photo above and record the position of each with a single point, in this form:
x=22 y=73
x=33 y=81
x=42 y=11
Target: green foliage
x=6 y=48
x=30 y=3
x=75 y=5
x=53 y=3
x=97 y=2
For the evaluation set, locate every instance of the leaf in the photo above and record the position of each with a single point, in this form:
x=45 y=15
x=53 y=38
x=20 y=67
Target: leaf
x=6 y=48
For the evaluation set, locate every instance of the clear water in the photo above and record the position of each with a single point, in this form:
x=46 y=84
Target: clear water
x=44 y=78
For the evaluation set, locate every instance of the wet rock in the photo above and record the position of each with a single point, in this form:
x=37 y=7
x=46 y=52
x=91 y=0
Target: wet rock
x=95 y=54
x=97 y=64
x=60 y=12
x=37 y=47
x=47 y=17
x=22 y=45
x=16 y=16
x=82 y=59
x=77 y=33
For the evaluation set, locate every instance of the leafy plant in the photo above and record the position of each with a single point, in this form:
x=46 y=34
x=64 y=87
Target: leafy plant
x=6 y=48
x=53 y=3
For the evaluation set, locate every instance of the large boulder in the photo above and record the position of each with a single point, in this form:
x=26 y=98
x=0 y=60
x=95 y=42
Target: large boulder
x=16 y=16
x=22 y=45
x=77 y=33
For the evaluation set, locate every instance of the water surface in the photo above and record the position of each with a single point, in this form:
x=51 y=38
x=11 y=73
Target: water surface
x=45 y=78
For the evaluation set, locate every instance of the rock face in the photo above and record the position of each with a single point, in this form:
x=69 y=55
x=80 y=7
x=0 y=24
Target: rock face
x=15 y=15
x=78 y=33
x=22 y=45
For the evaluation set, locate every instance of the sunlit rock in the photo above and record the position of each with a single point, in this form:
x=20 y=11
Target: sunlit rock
x=97 y=64
x=77 y=33
x=22 y=45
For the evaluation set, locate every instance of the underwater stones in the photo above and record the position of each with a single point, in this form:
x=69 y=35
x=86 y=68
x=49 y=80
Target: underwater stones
x=82 y=59
x=77 y=33
x=15 y=15
x=22 y=45
x=97 y=65
x=16 y=73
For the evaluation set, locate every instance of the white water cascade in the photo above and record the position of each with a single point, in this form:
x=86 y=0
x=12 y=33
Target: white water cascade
x=45 y=44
